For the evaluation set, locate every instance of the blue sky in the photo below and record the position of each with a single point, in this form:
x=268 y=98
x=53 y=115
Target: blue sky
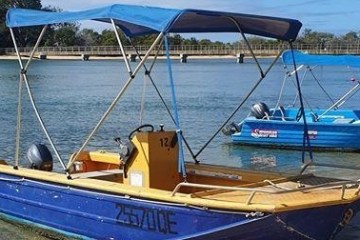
x=333 y=16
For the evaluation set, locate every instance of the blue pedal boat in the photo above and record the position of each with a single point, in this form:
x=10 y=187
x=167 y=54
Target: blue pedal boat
x=283 y=127
x=145 y=189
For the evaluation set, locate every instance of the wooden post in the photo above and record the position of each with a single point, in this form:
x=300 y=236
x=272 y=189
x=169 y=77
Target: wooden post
x=183 y=57
x=240 y=58
x=42 y=56
x=85 y=57
x=132 y=57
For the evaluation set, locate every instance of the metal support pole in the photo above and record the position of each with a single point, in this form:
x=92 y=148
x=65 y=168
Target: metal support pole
x=23 y=77
x=240 y=105
x=121 y=47
x=112 y=105
x=248 y=45
x=18 y=121
x=306 y=138
x=262 y=76
x=341 y=101
x=35 y=47
x=148 y=73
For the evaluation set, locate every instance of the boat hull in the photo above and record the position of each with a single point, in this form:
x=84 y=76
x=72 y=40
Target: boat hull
x=99 y=215
x=324 y=135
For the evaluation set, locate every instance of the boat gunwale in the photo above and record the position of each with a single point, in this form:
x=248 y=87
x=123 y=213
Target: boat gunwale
x=164 y=197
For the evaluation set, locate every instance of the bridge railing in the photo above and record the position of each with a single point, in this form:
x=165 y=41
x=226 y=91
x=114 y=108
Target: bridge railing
x=259 y=49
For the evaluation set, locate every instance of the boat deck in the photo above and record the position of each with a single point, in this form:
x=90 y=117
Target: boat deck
x=287 y=194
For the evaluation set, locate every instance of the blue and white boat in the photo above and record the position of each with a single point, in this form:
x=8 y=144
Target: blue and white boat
x=328 y=129
x=146 y=190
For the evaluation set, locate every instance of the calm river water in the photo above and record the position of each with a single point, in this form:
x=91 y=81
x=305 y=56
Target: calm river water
x=72 y=95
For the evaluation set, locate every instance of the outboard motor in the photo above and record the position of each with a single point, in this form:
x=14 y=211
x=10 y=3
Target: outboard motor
x=231 y=129
x=260 y=111
x=126 y=149
x=40 y=157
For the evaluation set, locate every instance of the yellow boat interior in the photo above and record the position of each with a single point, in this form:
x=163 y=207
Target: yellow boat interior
x=149 y=169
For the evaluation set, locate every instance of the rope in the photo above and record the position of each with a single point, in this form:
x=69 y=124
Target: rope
x=142 y=104
x=291 y=229
x=276 y=186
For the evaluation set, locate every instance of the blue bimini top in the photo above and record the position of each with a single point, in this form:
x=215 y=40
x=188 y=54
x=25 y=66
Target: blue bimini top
x=143 y=20
x=320 y=59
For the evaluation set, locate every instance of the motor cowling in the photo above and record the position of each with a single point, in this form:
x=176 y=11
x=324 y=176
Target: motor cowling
x=126 y=148
x=39 y=157
x=260 y=111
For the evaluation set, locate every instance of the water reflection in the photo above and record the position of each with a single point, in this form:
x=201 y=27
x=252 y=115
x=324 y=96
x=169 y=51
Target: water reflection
x=264 y=158
x=344 y=164
x=263 y=161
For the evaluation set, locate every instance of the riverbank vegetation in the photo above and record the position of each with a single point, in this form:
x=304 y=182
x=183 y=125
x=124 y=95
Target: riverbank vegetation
x=63 y=35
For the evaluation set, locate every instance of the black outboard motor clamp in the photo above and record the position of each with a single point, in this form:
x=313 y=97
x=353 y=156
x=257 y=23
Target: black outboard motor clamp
x=260 y=111
x=40 y=157
x=231 y=129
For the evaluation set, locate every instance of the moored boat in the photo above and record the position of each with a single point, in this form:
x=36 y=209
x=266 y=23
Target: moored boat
x=332 y=128
x=146 y=189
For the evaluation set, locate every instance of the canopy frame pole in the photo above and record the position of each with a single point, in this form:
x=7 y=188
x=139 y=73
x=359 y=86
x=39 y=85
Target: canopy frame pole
x=114 y=102
x=341 y=101
x=288 y=75
x=320 y=85
x=262 y=77
x=297 y=93
x=148 y=73
x=147 y=70
x=23 y=77
x=18 y=123
x=307 y=70
x=306 y=137
x=295 y=72
x=35 y=47
x=121 y=47
x=280 y=93
x=18 y=119
x=248 y=45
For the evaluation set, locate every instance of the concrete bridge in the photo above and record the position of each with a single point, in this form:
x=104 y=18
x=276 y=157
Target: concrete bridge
x=187 y=50
x=115 y=50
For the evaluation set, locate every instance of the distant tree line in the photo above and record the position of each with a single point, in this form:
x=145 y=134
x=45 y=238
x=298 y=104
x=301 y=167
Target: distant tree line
x=73 y=35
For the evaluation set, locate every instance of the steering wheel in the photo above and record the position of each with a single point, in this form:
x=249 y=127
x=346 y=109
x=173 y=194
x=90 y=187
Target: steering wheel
x=140 y=128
